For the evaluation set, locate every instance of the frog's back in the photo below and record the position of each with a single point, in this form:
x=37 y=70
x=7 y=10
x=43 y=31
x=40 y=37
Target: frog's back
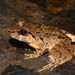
x=49 y=35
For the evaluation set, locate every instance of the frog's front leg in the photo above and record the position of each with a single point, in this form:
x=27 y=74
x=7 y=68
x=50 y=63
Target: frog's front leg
x=36 y=54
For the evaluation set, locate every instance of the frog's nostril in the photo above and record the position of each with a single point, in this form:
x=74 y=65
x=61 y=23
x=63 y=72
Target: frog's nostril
x=23 y=32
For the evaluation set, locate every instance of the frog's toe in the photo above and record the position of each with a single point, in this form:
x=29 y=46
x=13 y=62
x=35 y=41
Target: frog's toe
x=28 y=56
x=50 y=65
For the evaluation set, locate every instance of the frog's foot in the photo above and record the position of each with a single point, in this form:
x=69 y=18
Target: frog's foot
x=36 y=54
x=28 y=56
x=50 y=65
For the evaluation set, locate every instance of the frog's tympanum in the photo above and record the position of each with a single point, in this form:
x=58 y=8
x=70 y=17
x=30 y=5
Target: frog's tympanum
x=43 y=39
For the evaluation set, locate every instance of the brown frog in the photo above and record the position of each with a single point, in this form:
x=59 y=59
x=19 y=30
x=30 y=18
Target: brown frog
x=43 y=39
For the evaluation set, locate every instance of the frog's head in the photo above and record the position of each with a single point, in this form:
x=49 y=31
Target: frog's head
x=21 y=33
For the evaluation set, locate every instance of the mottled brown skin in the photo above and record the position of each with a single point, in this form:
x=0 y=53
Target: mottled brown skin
x=43 y=39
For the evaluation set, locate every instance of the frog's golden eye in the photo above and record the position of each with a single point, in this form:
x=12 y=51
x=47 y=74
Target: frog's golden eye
x=23 y=32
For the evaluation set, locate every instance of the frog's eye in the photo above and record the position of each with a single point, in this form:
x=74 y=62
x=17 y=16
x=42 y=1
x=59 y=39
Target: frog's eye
x=23 y=32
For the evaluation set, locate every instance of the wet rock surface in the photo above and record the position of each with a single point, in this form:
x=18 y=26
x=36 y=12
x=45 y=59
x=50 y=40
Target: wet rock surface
x=12 y=51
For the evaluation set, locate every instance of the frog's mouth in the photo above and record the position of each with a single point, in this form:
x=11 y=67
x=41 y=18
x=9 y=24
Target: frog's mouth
x=34 y=45
x=29 y=40
x=22 y=35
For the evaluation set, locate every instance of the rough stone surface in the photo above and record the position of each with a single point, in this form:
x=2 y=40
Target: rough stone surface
x=12 y=51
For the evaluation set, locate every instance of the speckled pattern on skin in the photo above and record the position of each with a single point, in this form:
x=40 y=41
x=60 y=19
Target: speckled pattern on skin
x=44 y=39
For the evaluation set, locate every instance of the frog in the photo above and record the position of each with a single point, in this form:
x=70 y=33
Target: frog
x=52 y=40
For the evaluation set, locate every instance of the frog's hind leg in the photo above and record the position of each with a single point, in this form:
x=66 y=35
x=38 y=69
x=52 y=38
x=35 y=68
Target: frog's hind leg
x=54 y=65
x=58 y=55
x=69 y=35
